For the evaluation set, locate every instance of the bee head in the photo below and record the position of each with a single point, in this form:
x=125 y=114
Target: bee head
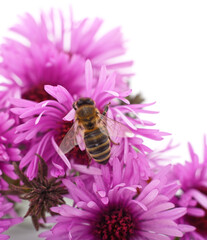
x=83 y=101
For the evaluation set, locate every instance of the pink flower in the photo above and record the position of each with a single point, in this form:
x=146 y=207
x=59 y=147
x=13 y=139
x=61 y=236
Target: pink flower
x=45 y=56
x=193 y=193
x=28 y=68
x=46 y=123
x=116 y=207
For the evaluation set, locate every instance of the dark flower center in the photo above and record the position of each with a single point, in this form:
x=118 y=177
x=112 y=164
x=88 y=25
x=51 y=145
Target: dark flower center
x=114 y=224
x=199 y=222
x=37 y=94
x=64 y=127
x=80 y=157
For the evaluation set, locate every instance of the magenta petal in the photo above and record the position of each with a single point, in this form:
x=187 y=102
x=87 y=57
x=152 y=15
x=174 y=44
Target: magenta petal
x=60 y=93
x=84 y=169
x=70 y=116
x=89 y=78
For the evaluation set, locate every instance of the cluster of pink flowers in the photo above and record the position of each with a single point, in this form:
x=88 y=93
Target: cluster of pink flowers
x=127 y=198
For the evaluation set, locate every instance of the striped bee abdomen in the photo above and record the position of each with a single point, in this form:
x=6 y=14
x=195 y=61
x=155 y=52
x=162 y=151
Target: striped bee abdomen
x=98 y=145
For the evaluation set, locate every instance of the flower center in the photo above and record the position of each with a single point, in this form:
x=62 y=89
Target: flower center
x=199 y=222
x=80 y=157
x=114 y=224
x=37 y=94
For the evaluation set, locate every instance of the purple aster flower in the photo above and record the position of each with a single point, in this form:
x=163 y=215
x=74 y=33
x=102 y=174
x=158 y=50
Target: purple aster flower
x=193 y=193
x=116 y=207
x=46 y=123
x=28 y=68
x=44 y=55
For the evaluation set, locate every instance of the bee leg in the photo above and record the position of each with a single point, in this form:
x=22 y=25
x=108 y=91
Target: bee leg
x=113 y=141
x=89 y=160
x=106 y=108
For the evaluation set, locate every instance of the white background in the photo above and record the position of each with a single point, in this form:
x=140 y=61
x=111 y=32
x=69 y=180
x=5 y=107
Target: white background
x=167 y=41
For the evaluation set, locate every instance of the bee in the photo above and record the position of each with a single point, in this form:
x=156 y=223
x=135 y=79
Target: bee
x=93 y=128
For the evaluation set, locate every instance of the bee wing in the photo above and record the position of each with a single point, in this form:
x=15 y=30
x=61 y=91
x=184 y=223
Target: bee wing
x=114 y=129
x=69 y=141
